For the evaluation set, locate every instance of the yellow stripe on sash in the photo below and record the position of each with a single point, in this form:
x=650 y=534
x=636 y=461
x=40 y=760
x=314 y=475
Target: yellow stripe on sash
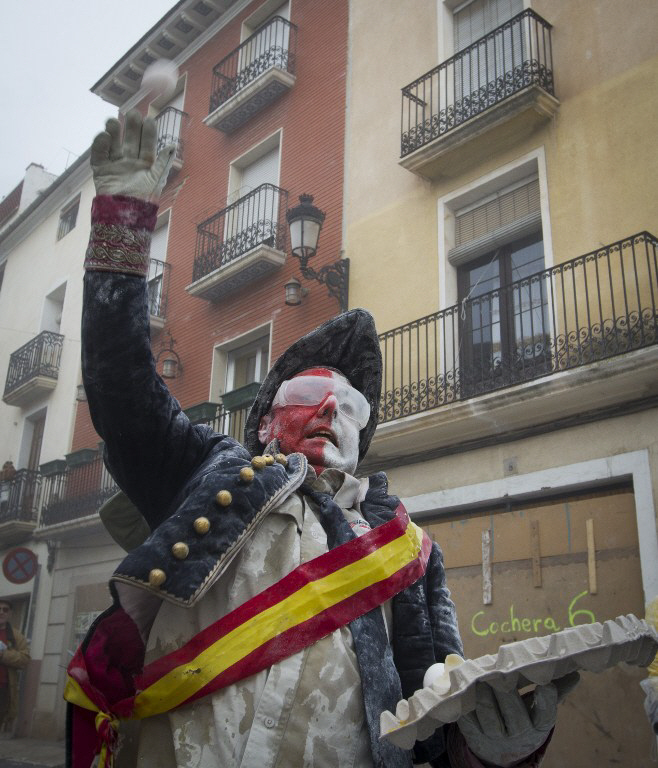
x=178 y=685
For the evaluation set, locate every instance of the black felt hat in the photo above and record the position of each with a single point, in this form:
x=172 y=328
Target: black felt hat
x=348 y=343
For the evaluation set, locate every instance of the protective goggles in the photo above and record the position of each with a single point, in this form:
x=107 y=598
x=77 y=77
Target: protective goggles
x=312 y=390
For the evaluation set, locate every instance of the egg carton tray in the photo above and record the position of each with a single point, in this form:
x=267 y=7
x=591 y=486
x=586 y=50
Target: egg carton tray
x=536 y=660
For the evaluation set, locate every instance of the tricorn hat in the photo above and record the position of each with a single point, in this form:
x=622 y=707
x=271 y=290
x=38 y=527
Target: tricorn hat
x=348 y=343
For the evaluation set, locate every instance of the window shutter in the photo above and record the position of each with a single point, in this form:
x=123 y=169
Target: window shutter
x=506 y=217
x=159 y=243
x=474 y=19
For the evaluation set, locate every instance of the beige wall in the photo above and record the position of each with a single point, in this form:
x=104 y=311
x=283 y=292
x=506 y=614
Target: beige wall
x=601 y=169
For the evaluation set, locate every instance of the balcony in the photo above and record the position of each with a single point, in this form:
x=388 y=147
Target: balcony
x=484 y=99
x=158 y=292
x=19 y=500
x=579 y=337
x=33 y=369
x=170 y=129
x=242 y=243
x=253 y=75
x=229 y=416
x=73 y=494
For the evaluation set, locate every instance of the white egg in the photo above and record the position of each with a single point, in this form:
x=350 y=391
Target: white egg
x=433 y=674
x=160 y=77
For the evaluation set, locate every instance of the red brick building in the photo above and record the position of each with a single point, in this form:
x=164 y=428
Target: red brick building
x=258 y=117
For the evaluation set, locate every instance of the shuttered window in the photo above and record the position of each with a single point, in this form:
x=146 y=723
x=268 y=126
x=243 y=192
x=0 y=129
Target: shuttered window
x=499 y=220
x=476 y=18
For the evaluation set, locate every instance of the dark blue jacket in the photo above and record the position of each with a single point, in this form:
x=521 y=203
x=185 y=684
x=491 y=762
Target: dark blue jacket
x=172 y=471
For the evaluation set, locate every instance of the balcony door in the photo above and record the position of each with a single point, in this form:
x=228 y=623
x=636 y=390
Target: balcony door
x=246 y=367
x=504 y=317
x=252 y=218
x=480 y=74
x=264 y=47
x=157 y=261
x=503 y=310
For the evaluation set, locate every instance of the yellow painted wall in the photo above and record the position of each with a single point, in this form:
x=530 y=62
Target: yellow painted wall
x=600 y=161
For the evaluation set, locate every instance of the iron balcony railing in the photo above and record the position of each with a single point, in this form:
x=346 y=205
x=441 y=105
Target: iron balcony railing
x=591 y=308
x=39 y=357
x=76 y=492
x=170 y=129
x=508 y=59
x=228 y=421
x=255 y=219
x=273 y=45
x=158 y=287
x=19 y=497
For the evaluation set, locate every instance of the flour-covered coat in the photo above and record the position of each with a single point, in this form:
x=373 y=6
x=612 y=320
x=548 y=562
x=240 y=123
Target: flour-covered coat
x=172 y=472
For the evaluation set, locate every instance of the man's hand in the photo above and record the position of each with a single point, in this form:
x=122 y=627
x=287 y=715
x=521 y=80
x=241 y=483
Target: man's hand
x=505 y=727
x=130 y=167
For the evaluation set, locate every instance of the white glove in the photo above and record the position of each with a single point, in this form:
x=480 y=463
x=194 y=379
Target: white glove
x=130 y=167
x=506 y=727
x=3 y=646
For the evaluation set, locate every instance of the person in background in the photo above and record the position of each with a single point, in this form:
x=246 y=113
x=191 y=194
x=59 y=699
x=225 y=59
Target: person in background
x=14 y=656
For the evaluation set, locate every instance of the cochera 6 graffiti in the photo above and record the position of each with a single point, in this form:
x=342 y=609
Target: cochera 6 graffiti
x=483 y=626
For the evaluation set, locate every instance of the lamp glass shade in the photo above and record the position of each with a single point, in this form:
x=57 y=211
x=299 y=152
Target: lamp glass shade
x=293 y=293
x=81 y=395
x=304 y=234
x=169 y=368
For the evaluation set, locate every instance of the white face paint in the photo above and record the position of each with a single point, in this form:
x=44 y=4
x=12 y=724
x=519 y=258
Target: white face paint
x=322 y=432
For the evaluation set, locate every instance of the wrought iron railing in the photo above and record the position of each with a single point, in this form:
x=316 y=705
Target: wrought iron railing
x=19 y=497
x=227 y=421
x=158 y=287
x=76 y=492
x=39 y=357
x=591 y=308
x=273 y=45
x=255 y=219
x=508 y=59
x=170 y=129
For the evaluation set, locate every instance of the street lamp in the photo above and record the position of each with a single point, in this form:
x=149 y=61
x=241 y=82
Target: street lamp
x=305 y=222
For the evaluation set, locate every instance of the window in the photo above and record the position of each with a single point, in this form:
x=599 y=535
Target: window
x=169 y=121
x=53 y=308
x=247 y=364
x=485 y=67
x=239 y=366
x=265 y=40
x=157 y=268
x=68 y=217
x=253 y=216
x=503 y=302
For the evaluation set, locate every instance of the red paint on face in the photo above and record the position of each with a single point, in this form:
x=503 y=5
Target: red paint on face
x=321 y=432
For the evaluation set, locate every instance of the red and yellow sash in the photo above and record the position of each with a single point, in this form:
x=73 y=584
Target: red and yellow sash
x=309 y=603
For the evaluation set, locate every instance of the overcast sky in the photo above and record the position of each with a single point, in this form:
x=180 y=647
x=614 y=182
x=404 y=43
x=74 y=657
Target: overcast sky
x=52 y=52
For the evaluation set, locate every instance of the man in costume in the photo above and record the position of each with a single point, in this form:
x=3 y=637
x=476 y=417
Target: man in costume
x=14 y=656
x=279 y=603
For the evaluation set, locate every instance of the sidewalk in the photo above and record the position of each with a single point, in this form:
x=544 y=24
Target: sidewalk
x=31 y=753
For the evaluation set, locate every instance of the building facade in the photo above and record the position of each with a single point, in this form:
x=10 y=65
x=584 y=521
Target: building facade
x=257 y=118
x=40 y=302
x=486 y=167
x=500 y=224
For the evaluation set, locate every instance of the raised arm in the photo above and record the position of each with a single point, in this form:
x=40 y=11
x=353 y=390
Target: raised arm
x=151 y=448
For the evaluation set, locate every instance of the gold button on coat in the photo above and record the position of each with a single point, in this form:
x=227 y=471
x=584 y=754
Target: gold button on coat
x=246 y=474
x=202 y=525
x=157 y=577
x=269 y=459
x=281 y=458
x=224 y=498
x=259 y=462
x=180 y=550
